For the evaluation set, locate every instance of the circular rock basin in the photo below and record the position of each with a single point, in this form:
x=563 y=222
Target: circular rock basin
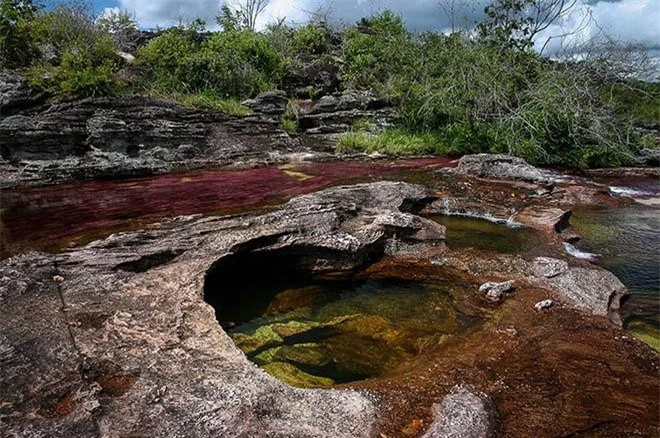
x=467 y=232
x=316 y=331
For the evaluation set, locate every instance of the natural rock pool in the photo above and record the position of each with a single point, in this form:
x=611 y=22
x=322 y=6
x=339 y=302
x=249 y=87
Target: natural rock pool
x=352 y=287
x=323 y=331
x=484 y=235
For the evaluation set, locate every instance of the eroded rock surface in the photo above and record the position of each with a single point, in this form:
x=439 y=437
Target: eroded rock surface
x=123 y=342
x=132 y=135
x=115 y=338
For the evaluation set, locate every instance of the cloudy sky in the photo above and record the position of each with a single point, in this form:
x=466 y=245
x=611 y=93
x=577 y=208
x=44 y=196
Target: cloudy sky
x=627 y=20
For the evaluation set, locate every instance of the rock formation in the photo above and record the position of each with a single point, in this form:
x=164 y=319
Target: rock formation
x=115 y=338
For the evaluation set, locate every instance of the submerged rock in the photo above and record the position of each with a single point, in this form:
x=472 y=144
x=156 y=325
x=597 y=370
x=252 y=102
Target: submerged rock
x=463 y=413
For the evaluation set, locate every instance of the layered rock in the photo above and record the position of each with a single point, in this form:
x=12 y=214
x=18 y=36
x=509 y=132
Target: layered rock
x=323 y=121
x=134 y=134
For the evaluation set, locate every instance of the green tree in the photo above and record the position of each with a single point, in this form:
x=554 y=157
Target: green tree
x=517 y=23
x=123 y=27
x=18 y=45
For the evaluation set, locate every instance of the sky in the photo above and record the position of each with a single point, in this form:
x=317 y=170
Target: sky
x=626 y=20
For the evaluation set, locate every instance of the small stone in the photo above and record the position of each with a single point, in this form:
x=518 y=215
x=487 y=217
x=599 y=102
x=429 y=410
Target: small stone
x=545 y=304
x=91 y=405
x=494 y=290
x=58 y=279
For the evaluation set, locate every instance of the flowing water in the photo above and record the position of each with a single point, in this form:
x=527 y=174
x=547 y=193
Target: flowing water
x=52 y=217
x=626 y=241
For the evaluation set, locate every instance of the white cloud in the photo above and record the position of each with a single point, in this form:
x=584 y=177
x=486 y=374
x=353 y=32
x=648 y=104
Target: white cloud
x=152 y=13
x=627 y=20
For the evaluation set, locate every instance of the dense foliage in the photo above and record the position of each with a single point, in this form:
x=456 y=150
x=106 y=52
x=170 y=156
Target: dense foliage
x=458 y=93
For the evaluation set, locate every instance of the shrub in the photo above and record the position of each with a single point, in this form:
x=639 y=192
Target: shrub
x=379 y=54
x=166 y=60
x=18 y=43
x=83 y=71
x=241 y=64
x=290 y=126
x=311 y=38
x=234 y=64
x=84 y=60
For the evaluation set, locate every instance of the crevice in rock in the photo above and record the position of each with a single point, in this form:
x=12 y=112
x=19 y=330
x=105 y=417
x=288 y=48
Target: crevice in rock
x=147 y=262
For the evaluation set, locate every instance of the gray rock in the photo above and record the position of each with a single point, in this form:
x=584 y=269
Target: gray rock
x=324 y=121
x=464 y=413
x=494 y=291
x=545 y=304
x=595 y=290
x=499 y=167
x=14 y=92
x=269 y=102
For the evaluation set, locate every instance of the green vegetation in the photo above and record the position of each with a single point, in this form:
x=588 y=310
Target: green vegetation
x=392 y=142
x=289 y=125
x=212 y=101
x=486 y=91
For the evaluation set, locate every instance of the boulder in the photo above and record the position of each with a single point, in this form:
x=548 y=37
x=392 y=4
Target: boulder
x=463 y=413
x=270 y=102
x=504 y=167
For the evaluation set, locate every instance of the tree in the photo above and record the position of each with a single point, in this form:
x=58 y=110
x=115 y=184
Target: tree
x=123 y=27
x=17 y=41
x=241 y=13
x=517 y=23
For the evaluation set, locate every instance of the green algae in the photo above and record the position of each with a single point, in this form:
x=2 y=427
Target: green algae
x=295 y=377
x=347 y=331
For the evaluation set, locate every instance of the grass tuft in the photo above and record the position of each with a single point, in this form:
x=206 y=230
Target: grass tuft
x=392 y=142
x=290 y=126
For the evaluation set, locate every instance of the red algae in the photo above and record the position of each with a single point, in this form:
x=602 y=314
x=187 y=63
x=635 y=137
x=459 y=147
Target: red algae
x=50 y=217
